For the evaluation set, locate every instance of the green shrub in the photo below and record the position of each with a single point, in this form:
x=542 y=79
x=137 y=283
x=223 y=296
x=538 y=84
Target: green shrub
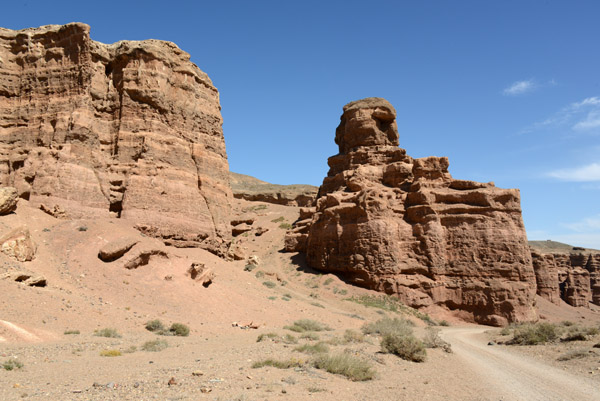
x=179 y=329
x=346 y=365
x=579 y=333
x=387 y=325
x=249 y=268
x=278 y=220
x=328 y=281
x=110 y=352
x=269 y=284
x=280 y=364
x=155 y=326
x=12 y=364
x=534 y=333
x=155 y=345
x=405 y=346
x=69 y=332
x=443 y=323
x=108 y=332
x=289 y=339
x=317 y=348
x=285 y=226
x=302 y=325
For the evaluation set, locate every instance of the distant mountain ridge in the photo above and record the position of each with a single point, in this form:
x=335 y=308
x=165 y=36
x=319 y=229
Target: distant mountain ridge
x=252 y=189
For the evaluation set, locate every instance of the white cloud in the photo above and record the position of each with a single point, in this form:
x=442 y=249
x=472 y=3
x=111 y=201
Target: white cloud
x=586 y=225
x=519 y=88
x=580 y=116
x=591 y=172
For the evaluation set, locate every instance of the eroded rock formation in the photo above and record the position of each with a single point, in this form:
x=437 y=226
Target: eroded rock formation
x=404 y=226
x=573 y=277
x=129 y=130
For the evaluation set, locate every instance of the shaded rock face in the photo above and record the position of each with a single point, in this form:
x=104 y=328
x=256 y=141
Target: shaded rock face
x=130 y=130
x=573 y=277
x=404 y=226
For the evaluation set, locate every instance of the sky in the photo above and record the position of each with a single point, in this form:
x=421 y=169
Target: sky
x=508 y=90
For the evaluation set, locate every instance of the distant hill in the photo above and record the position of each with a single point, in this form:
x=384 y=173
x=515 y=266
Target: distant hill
x=253 y=189
x=550 y=246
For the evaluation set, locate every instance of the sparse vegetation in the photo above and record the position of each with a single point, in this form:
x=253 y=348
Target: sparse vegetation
x=110 y=352
x=249 y=267
x=108 y=332
x=267 y=336
x=310 y=336
x=575 y=354
x=433 y=340
x=179 y=329
x=269 y=284
x=318 y=305
x=155 y=345
x=12 y=364
x=278 y=220
x=289 y=339
x=316 y=389
x=576 y=333
x=346 y=365
x=443 y=323
x=328 y=281
x=388 y=325
x=317 y=348
x=406 y=346
x=384 y=302
x=279 y=364
x=534 y=334
x=285 y=226
x=302 y=325
x=353 y=336
x=130 y=350
x=155 y=326
x=71 y=332
x=259 y=274
x=254 y=208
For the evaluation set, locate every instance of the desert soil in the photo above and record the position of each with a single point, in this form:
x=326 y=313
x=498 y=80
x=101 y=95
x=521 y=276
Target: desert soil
x=215 y=361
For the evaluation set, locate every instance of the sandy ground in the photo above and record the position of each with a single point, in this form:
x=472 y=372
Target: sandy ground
x=215 y=361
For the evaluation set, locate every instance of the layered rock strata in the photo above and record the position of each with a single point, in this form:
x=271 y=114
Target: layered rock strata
x=573 y=277
x=404 y=226
x=255 y=190
x=130 y=130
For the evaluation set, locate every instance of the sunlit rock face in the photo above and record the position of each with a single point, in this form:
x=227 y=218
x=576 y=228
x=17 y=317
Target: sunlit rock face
x=130 y=130
x=404 y=226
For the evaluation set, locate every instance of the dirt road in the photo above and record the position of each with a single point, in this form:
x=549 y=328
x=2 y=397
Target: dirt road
x=514 y=377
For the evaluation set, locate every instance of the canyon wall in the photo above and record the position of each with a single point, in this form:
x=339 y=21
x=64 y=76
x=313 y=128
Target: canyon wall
x=130 y=130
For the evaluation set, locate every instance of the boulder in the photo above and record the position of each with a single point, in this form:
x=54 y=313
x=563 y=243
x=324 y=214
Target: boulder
x=130 y=130
x=406 y=227
x=117 y=248
x=201 y=274
x=8 y=200
x=18 y=244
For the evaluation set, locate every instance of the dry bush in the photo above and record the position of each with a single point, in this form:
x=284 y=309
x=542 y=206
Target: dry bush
x=346 y=365
x=432 y=339
x=534 y=333
x=279 y=364
x=155 y=345
x=108 y=332
x=407 y=347
x=110 y=352
x=387 y=325
x=300 y=326
x=317 y=348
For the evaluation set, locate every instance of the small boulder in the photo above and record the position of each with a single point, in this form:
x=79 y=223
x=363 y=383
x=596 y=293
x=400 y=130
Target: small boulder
x=253 y=260
x=117 y=248
x=8 y=200
x=18 y=244
x=202 y=274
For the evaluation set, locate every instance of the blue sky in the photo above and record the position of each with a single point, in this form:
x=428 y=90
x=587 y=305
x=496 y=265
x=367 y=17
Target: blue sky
x=508 y=90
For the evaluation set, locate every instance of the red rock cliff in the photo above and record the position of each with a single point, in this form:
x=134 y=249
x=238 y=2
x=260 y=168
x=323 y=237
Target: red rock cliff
x=404 y=226
x=129 y=130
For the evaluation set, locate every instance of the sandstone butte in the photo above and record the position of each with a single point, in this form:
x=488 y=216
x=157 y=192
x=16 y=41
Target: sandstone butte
x=130 y=130
x=404 y=226
x=572 y=276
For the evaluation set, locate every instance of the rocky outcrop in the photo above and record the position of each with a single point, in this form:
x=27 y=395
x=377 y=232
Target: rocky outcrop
x=255 y=190
x=404 y=226
x=571 y=276
x=18 y=244
x=8 y=200
x=130 y=130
